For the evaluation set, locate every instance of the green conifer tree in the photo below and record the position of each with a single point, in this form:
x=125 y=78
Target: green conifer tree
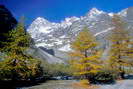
x=17 y=63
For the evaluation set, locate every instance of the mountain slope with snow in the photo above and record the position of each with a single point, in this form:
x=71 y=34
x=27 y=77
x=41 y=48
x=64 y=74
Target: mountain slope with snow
x=59 y=35
x=56 y=35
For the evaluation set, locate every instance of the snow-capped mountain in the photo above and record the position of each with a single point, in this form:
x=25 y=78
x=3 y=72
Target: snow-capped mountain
x=56 y=35
x=94 y=12
x=59 y=35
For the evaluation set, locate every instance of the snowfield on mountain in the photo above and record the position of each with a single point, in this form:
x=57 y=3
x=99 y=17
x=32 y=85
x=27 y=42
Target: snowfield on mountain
x=58 y=36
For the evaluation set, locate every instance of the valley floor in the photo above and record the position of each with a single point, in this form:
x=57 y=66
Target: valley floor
x=59 y=84
x=124 y=84
x=73 y=84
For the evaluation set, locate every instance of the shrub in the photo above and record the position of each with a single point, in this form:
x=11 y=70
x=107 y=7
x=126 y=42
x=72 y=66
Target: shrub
x=57 y=69
x=104 y=76
x=17 y=70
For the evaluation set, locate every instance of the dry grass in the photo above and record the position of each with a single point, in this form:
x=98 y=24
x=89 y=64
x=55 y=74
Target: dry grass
x=84 y=82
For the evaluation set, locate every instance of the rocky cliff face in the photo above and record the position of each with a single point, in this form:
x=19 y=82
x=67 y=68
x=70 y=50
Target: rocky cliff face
x=58 y=36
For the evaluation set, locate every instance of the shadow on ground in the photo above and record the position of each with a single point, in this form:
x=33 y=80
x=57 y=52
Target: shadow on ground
x=104 y=82
x=19 y=84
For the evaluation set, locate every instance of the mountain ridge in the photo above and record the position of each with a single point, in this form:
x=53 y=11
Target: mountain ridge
x=58 y=36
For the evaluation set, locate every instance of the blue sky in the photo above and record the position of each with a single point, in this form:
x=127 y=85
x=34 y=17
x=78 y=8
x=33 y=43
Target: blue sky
x=57 y=10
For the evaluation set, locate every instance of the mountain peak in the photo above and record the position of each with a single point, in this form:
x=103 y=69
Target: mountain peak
x=41 y=19
x=94 y=12
x=111 y=14
x=123 y=12
x=74 y=18
x=58 y=35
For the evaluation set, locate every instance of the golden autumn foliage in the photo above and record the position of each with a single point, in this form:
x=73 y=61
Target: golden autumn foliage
x=120 y=48
x=85 y=58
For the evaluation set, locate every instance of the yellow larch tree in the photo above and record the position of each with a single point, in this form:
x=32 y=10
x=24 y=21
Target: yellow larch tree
x=119 y=40
x=85 y=58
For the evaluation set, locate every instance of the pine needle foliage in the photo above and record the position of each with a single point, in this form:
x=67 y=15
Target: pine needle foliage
x=120 y=41
x=85 y=58
x=17 y=65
